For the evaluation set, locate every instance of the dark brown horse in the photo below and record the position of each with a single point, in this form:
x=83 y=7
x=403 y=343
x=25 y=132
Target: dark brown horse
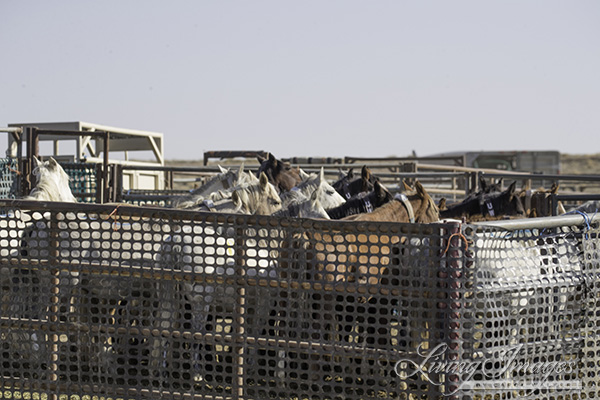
x=417 y=206
x=487 y=206
x=348 y=186
x=280 y=173
x=363 y=203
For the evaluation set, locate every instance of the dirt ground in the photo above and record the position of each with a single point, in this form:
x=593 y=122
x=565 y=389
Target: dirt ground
x=586 y=164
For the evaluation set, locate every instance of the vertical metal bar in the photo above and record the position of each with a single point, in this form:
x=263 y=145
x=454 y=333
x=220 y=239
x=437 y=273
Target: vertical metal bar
x=451 y=281
x=55 y=302
x=117 y=183
x=105 y=180
x=99 y=183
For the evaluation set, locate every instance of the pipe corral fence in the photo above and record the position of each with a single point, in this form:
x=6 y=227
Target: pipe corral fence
x=141 y=302
x=130 y=302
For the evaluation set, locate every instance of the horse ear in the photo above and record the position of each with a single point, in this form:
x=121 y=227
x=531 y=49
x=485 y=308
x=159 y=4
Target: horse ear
x=37 y=162
x=420 y=190
x=223 y=170
x=554 y=188
x=406 y=185
x=482 y=183
x=365 y=173
x=442 y=204
x=511 y=188
x=350 y=173
x=322 y=175
x=260 y=159
x=273 y=159
x=52 y=163
x=263 y=181
x=379 y=189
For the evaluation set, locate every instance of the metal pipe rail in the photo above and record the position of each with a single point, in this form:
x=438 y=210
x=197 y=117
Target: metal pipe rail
x=541 y=222
x=11 y=130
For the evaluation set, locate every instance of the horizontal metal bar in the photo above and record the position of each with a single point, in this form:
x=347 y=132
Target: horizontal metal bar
x=544 y=176
x=542 y=222
x=11 y=130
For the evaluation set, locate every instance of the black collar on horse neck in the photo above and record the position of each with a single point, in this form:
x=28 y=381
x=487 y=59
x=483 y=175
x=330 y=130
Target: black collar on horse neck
x=404 y=200
x=489 y=208
x=367 y=203
x=346 y=191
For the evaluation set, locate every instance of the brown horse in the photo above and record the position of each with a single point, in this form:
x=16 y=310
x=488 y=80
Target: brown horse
x=417 y=207
x=280 y=173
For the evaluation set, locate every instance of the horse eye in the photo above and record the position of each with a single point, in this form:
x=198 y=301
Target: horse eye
x=329 y=192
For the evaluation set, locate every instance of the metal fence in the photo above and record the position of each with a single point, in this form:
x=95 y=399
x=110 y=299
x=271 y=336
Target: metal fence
x=8 y=178
x=83 y=181
x=150 y=303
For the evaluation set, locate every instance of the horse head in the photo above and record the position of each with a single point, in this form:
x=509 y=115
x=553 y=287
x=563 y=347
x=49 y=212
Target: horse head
x=52 y=182
x=261 y=198
x=348 y=187
x=487 y=206
x=279 y=173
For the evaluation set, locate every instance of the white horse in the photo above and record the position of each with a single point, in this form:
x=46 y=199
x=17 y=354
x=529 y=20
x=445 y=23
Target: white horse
x=226 y=179
x=19 y=231
x=302 y=207
x=328 y=197
x=52 y=182
x=259 y=198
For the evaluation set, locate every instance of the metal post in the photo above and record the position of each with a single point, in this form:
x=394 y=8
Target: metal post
x=105 y=180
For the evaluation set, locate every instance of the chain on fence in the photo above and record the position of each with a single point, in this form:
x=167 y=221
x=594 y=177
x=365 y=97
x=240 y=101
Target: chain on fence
x=132 y=302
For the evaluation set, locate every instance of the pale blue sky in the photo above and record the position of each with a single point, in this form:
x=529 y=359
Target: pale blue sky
x=311 y=78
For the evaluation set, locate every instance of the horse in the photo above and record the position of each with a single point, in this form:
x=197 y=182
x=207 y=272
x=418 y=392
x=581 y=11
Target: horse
x=417 y=207
x=226 y=179
x=303 y=207
x=280 y=173
x=259 y=198
x=327 y=195
x=348 y=187
x=486 y=206
x=52 y=182
x=363 y=203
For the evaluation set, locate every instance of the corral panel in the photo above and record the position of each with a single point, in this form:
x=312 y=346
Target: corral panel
x=136 y=302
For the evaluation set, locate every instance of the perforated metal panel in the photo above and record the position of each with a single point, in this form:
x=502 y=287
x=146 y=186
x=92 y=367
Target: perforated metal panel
x=8 y=178
x=136 y=302
x=83 y=180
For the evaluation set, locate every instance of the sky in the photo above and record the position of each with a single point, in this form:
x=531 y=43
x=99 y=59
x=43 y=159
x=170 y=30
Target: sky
x=313 y=77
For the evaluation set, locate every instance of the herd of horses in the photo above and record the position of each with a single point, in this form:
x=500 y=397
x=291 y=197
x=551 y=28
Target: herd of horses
x=279 y=189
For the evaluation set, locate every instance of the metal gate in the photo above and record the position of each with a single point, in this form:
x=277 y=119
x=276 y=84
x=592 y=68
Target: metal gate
x=138 y=303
